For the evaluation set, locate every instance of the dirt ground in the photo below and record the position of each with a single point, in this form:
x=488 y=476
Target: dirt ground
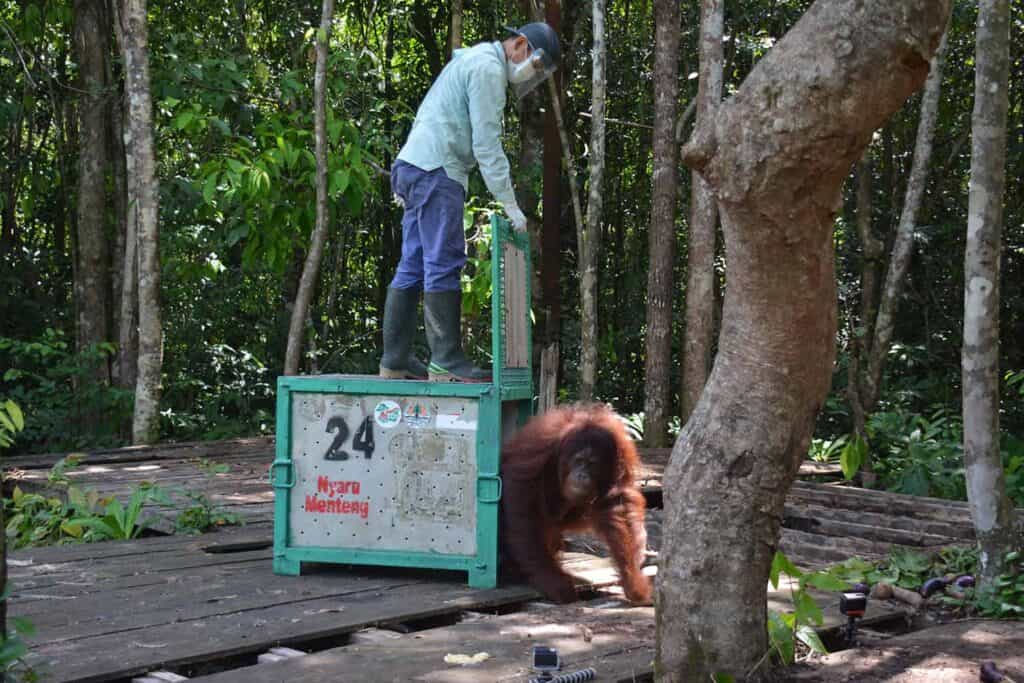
x=951 y=653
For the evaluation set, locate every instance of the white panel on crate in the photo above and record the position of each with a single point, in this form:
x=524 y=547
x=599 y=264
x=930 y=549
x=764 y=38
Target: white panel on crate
x=384 y=473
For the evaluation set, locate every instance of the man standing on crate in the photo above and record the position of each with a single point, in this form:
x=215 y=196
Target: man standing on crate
x=458 y=126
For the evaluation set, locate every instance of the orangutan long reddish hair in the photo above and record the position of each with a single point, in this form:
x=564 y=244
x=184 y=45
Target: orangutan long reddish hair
x=572 y=469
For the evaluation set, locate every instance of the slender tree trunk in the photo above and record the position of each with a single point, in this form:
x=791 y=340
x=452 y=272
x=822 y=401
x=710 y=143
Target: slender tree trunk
x=316 y=248
x=662 y=239
x=92 y=283
x=338 y=275
x=456 y=28
x=551 y=233
x=120 y=269
x=862 y=323
x=529 y=172
x=991 y=508
x=146 y=201
x=775 y=155
x=9 y=181
x=590 y=237
x=700 y=267
x=128 y=319
x=902 y=247
x=570 y=166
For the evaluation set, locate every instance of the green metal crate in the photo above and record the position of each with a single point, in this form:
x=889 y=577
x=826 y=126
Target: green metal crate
x=405 y=473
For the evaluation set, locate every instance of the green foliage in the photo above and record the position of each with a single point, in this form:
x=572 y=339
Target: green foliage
x=77 y=516
x=225 y=392
x=853 y=455
x=785 y=629
x=57 y=387
x=114 y=522
x=13 y=647
x=1004 y=597
x=907 y=568
x=827 y=450
x=33 y=520
x=203 y=515
x=919 y=454
x=12 y=421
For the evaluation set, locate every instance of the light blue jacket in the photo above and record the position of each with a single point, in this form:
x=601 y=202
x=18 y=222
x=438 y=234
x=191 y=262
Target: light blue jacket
x=459 y=123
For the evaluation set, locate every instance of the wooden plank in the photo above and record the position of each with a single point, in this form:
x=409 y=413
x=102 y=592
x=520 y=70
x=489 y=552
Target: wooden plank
x=804 y=519
x=239 y=606
x=201 y=594
x=77 y=596
x=516 y=307
x=49 y=559
x=618 y=641
x=958 y=531
x=244 y=447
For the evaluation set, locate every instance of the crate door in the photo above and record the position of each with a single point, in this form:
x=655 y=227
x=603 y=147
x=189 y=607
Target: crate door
x=389 y=473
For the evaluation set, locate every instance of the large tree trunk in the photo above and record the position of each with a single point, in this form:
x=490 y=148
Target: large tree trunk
x=92 y=282
x=775 y=156
x=316 y=248
x=991 y=509
x=662 y=239
x=590 y=238
x=700 y=269
x=146 y=200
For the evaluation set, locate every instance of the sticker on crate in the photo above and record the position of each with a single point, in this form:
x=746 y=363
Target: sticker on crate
x=416 y=413
x=387 y=414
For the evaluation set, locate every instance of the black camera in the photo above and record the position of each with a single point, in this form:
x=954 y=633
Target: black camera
x=853 y=604
x=545 y=660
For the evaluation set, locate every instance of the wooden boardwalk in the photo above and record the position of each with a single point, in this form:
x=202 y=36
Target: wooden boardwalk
x=209 y=605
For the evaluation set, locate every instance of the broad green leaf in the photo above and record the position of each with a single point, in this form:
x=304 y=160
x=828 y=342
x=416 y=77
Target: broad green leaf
x=852 y=456
x=210 y=188
x=825 y=582
x=809 y=637
x=72 y=529
x=6 y=422
x=16 y=415
x=339 y=181
x=182 y=120
x=76 y=498
x=782 y=565
x=807 y=609
x=14 y=522
x=781 y=637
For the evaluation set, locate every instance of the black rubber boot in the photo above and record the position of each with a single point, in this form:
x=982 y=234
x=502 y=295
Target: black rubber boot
x=442 y=312
x=399 y=326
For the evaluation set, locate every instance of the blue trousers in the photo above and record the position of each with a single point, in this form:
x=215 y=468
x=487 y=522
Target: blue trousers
x=433 y=236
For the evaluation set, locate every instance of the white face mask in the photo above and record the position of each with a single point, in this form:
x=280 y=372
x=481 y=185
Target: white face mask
x=521 y=72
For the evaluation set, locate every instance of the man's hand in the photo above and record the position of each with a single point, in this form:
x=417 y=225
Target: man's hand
x=517 y=217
